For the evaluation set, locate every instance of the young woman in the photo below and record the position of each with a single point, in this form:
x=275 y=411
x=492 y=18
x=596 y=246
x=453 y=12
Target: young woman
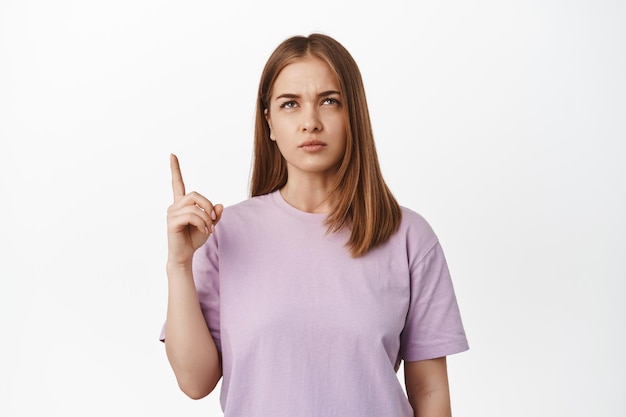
x=306 y=297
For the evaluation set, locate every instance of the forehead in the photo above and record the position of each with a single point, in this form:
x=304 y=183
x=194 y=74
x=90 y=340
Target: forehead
x=309 y=74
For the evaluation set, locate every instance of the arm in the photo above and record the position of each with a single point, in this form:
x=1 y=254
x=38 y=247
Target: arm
x=190 y=348
x=427 y=387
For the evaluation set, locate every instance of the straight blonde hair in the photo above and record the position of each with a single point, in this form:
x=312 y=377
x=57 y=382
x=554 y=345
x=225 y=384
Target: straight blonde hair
x=365 y=204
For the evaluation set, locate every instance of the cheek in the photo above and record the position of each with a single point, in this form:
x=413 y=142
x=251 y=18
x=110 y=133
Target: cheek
x=338 y=126
x=280 y=124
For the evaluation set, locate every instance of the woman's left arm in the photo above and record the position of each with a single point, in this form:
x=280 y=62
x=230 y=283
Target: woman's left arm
x=427 y=387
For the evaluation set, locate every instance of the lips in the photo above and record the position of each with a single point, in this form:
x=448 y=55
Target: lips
x=312 y=145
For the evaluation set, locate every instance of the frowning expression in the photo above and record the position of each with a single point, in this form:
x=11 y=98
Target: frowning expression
x=307 y=119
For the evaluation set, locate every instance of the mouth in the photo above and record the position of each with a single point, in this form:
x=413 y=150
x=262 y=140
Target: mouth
x=312 y=146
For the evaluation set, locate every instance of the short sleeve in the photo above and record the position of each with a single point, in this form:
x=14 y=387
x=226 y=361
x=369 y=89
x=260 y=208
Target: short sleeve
x=433 y=327
x=206 y=279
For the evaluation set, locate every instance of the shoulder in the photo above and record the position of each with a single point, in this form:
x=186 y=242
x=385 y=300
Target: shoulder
x=239 y=222
x=416 y=225
x=249 y=205
x=251 y=209
x=416 y=233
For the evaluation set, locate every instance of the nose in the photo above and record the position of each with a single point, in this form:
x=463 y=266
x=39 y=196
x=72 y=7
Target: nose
x=311 y=121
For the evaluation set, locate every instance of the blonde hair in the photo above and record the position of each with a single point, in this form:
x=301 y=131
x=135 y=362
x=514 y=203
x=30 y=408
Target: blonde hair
x=365 y=204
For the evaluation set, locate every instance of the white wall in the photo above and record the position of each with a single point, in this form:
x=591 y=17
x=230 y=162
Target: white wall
x=502 y=122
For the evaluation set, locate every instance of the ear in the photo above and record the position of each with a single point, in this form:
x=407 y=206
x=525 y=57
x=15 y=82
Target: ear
x=269 y=123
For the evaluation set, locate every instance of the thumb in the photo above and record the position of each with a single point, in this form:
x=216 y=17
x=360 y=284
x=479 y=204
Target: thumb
x=219 y=209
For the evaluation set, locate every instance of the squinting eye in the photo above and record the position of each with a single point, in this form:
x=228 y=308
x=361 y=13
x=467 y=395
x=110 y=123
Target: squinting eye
x=288 y=104
x=330 y=100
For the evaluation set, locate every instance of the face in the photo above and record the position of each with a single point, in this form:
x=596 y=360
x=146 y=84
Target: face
x=307 y=119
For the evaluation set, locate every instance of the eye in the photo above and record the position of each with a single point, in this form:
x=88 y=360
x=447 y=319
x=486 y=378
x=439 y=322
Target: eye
x=330 y=101
x=288 y=104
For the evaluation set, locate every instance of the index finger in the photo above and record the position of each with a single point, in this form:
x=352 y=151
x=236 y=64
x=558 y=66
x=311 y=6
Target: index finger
x=178 y=186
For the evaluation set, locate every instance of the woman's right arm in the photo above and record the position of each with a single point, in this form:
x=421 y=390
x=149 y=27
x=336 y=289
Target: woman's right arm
x=190 y=348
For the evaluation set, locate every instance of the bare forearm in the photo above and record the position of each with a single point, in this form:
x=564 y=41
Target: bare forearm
x=427 y=387
x=432 y=404
x=190 y=348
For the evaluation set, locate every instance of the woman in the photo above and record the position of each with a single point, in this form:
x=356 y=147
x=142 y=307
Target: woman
x=306 y=297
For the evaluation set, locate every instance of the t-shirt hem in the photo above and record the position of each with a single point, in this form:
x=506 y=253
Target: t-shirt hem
x=439 y=351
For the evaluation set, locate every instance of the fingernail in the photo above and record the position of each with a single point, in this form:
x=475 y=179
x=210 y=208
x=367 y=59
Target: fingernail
x=213 y=215
x=206 y=230
x=212 y=228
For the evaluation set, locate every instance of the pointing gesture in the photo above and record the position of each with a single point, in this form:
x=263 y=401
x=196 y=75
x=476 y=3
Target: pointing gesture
x=178 y=186
x=190 y=219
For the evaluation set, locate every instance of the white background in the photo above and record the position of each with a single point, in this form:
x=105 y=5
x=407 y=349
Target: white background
x=502 y=122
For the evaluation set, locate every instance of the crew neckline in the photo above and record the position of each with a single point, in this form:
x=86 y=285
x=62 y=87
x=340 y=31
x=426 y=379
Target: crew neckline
x=283 y=204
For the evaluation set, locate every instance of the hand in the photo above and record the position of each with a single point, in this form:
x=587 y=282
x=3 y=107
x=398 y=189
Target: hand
x=190 y=220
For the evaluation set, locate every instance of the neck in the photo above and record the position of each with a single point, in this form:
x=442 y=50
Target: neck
x=309 y=196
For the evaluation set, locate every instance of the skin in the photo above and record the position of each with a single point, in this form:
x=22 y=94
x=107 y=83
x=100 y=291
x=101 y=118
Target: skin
x=306 y=107
x=427 y=387
x=308 y=123
x=190 y=348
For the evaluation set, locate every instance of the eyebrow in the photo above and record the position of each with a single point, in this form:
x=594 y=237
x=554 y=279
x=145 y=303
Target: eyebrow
x=322 y=94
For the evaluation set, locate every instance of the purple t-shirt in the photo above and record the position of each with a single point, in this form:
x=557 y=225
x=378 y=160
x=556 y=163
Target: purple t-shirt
x=307 y=330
